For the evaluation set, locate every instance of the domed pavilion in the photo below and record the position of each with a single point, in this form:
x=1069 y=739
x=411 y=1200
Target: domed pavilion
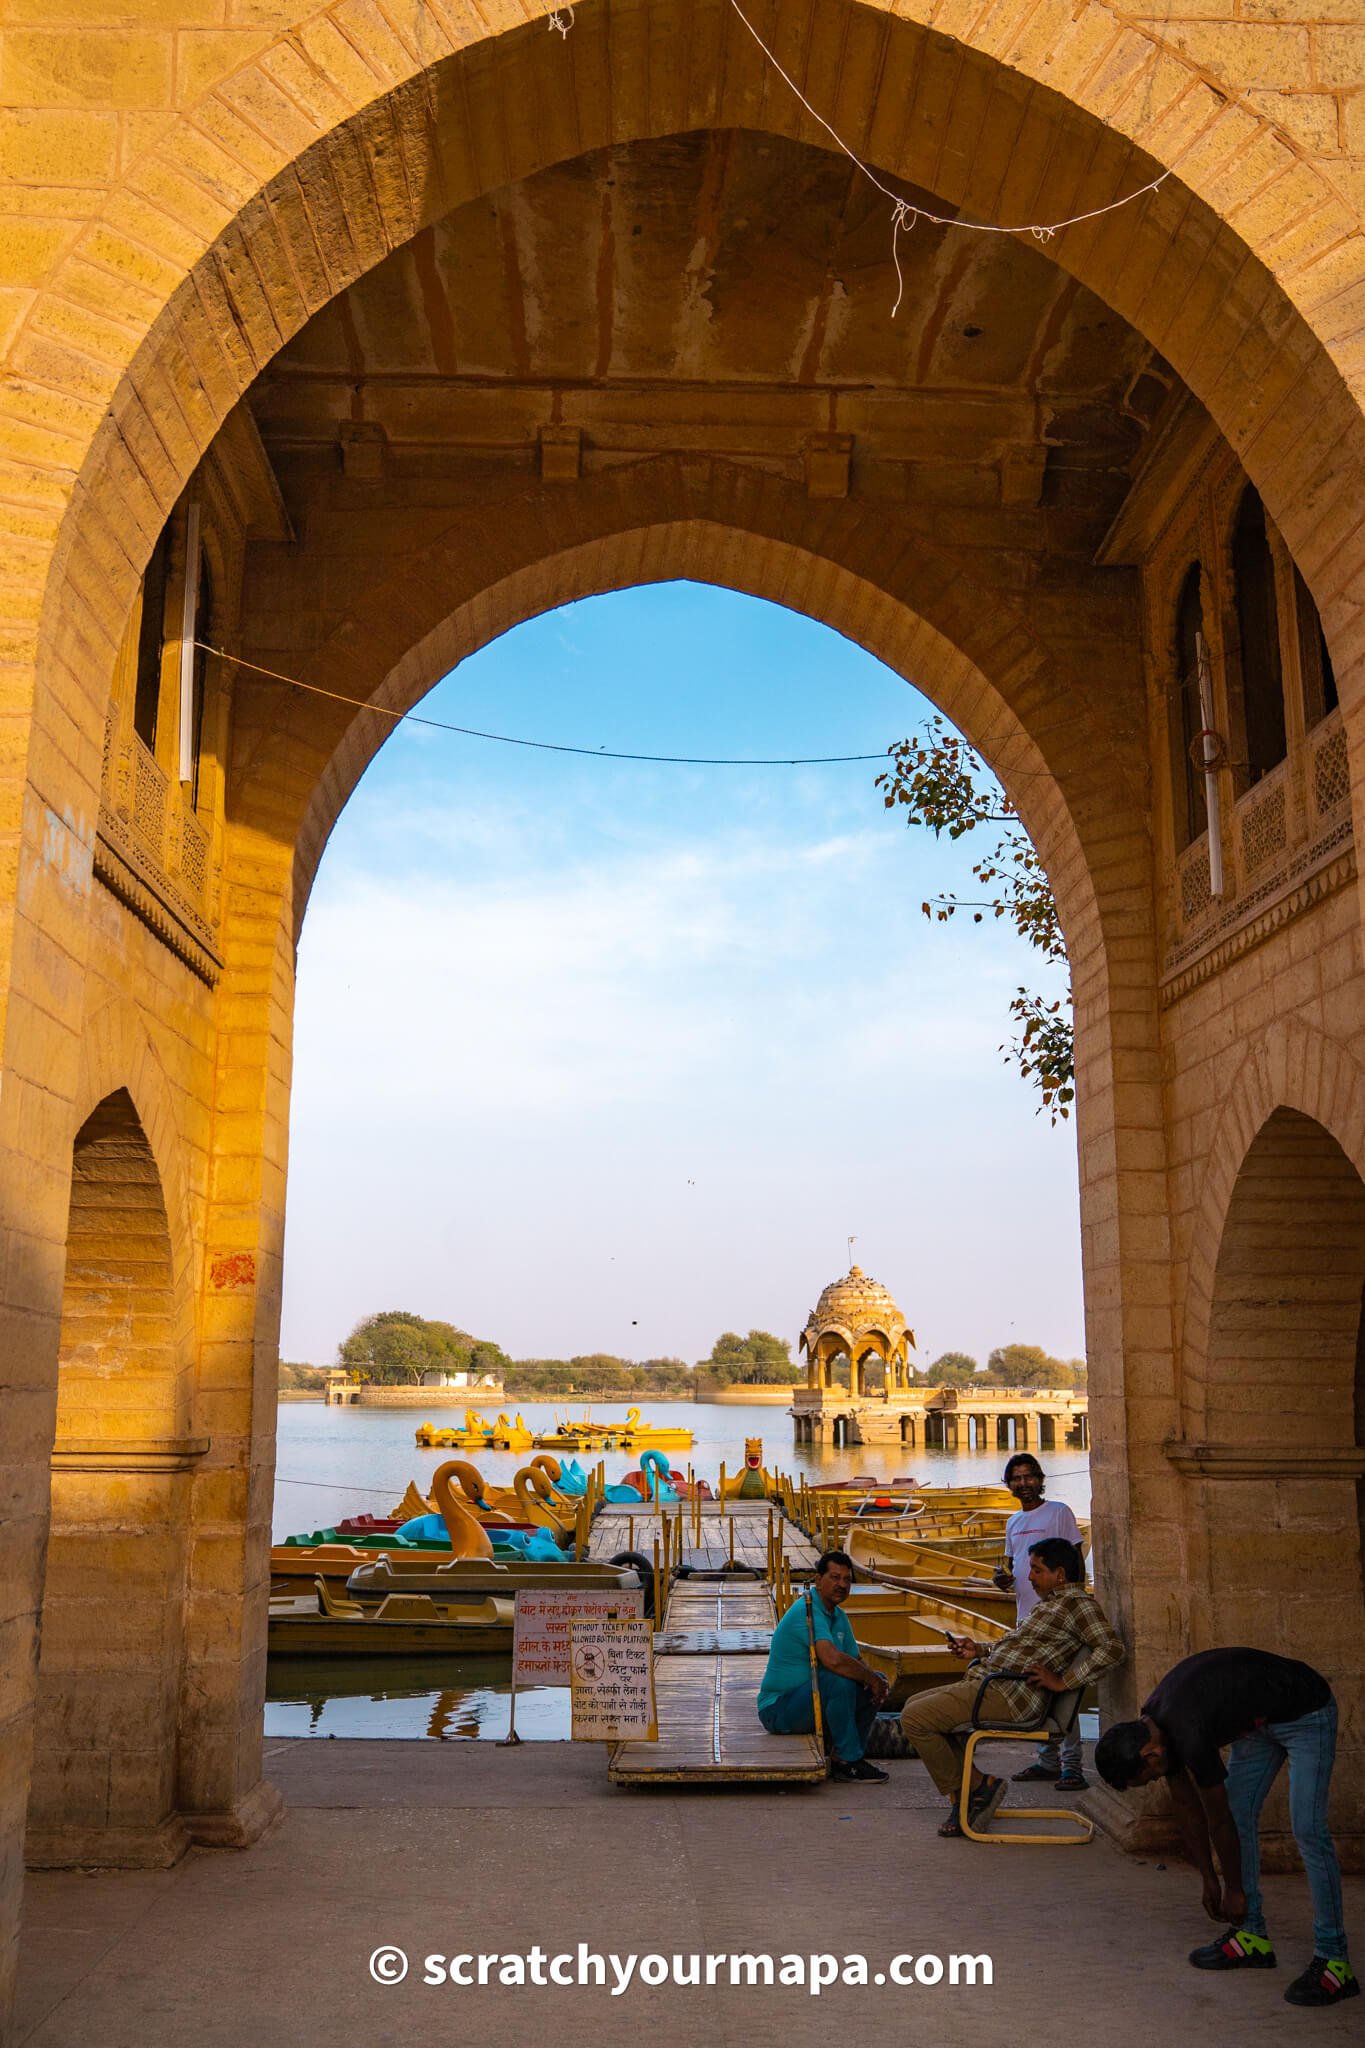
x=856 y=1319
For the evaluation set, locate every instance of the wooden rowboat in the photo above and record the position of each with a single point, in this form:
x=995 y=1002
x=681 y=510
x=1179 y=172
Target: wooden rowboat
x=883 y=1555
x=335 y=1562
x=403 y=1625
x=901 y=1634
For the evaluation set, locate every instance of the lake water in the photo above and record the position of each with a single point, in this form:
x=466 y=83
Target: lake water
x=333 y=1462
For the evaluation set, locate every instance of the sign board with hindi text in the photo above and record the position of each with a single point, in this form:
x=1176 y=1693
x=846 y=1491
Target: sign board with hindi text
x=612 y=1680
x=544 y=1616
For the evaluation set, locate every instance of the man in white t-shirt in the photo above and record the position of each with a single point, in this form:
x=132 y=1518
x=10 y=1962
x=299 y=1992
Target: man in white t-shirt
x=1059 y=1761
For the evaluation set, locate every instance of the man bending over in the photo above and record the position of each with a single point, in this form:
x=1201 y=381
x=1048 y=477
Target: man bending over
x=1269 y=1709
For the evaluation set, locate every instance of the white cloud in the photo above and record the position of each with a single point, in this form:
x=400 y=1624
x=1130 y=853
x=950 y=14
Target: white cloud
x=519 y=1068
x=596 y=1055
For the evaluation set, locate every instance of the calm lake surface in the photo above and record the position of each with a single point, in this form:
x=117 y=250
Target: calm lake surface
x=333 y=1462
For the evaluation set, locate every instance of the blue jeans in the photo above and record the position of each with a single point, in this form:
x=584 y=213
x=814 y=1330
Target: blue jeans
x=1253 y=1765
x=848 y=1709
x=1064 y=1752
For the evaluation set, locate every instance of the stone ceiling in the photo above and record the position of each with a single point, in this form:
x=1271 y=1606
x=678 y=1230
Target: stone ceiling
x=733 y=284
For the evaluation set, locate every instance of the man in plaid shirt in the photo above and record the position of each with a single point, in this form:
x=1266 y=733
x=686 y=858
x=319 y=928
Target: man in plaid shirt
x=1066 y=1641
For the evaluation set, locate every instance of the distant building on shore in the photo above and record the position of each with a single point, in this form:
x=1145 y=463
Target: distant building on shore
x=476 y=1390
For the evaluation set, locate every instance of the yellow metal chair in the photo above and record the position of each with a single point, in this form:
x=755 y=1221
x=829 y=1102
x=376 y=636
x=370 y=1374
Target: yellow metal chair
x=1060 y=1721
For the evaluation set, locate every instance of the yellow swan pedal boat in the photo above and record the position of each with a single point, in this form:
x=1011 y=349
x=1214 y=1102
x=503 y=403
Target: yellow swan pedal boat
x=644 y=1436
x=477 y=1435
x=511 y=1436
x=532 y=1497
x=404 y=1624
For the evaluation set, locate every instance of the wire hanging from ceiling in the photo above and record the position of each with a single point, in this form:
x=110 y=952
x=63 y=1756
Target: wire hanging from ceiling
x=906 y=212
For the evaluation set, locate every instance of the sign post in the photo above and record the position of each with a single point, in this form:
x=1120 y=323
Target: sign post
x=613 y=1682
x=544 y=1618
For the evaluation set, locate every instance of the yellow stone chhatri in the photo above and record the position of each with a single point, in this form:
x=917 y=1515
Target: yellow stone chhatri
x=855 y=1317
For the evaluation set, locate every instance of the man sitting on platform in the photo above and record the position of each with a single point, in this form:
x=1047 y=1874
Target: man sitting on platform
x=850 y=1691
x=1066 y=1641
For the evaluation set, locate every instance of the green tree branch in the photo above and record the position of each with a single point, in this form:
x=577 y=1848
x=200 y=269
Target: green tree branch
x=943 y=784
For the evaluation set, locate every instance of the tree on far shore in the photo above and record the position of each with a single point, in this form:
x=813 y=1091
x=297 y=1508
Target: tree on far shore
x=395 y=1348
x=294 y=1376
x=758 y=1359
x=1028 y=1365
x=952 y=1369
x=1009 y=1365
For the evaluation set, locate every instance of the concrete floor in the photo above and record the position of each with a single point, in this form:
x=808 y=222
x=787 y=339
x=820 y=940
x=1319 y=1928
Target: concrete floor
x=440 y=1848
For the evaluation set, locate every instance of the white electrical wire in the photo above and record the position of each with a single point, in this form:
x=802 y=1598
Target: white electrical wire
x=905 y=212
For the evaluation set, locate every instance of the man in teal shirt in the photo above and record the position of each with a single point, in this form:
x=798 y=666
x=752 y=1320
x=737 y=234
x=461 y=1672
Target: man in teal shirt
x=850 y=1691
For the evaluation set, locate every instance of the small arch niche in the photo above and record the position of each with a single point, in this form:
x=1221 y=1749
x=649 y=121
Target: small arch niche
x=1283 y=1378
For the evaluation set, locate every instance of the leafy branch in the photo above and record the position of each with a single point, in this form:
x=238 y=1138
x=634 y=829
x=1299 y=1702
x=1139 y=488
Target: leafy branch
x=945 y=785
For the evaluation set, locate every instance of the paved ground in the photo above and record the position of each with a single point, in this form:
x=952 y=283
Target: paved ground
x=444 y=1848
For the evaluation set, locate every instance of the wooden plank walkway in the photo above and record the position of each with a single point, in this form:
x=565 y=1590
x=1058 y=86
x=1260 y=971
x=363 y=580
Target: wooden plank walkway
x=709 y=1659
x=738 y=1531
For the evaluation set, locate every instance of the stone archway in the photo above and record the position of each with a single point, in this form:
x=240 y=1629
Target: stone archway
x=299 y=171
x=1273 y=1451
x=236 y=218
x=113 y=1640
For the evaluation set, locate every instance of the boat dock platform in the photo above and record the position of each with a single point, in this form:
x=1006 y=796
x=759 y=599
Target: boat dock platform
x=704 y=1535
x=710 y=1651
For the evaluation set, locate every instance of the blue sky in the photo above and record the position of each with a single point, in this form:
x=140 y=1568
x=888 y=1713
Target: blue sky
x=594 y=1055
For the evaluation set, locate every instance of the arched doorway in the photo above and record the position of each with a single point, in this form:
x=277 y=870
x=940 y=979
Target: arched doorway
x=104 y=1780
x=1274 y=1448
x=1059 y=133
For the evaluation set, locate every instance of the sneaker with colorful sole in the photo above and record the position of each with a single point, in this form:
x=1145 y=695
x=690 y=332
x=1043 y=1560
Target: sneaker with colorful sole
x=1235 y=1950
x=1326 y=1981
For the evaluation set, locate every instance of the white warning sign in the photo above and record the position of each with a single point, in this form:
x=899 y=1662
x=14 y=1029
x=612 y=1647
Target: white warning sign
x=544 y=1616
x=612 y=1679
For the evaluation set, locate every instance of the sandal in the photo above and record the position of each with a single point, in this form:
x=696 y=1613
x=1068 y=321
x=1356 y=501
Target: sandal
x=1073 y=1781
x=1037 y=1774
x=952 y=1827
x=984 y=1801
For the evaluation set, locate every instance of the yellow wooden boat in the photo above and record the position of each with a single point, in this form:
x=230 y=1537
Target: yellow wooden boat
x=884 y=1555
x=902 y=1635
x=957 y=1497
x=413 y=1571
x=404 y=1624
x=899 y=1557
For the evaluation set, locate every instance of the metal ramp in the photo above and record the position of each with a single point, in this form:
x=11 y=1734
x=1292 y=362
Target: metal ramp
x=709 y=1658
